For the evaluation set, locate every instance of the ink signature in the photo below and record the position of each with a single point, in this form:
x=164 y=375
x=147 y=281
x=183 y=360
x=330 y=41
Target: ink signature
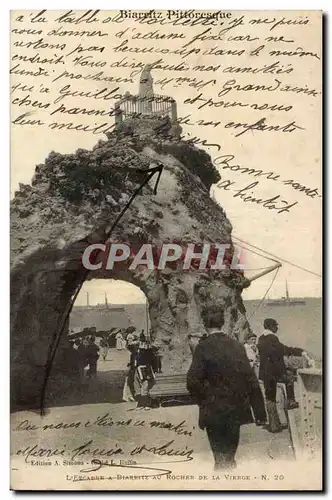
x=97 y=464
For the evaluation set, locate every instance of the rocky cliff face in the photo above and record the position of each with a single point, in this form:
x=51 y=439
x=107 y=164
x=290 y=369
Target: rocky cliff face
x=72 y=201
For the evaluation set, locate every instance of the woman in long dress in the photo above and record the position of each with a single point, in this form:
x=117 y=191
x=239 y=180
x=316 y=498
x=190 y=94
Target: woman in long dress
x=119 y=341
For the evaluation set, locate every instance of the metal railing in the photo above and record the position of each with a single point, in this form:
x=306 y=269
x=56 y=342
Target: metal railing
x=149 y=105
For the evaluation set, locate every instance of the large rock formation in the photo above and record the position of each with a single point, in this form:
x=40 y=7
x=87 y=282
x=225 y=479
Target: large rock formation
x=73 y=199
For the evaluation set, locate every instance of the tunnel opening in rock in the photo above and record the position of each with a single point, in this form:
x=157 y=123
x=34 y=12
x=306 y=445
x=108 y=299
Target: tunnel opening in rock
x=104 y=313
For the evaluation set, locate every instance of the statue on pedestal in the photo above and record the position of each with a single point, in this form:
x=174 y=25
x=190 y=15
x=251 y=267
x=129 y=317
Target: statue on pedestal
x=146 y=90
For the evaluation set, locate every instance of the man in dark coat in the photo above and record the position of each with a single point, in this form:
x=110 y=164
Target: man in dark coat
x=272 y=370
x=225 y=387
x=92 y=356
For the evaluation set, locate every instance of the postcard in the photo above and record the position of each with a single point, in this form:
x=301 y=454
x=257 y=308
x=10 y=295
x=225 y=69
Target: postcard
x=166 y=243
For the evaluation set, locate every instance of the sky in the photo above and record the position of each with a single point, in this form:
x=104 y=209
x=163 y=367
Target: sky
x=117 y=292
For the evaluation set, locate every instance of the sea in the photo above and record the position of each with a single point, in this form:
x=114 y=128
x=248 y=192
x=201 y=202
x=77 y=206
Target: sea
x=299 y=325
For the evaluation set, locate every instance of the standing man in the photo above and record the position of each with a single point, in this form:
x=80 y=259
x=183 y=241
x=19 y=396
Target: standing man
x=83 y=354
x=92 y=356
x=145 y=362
x=81 y=351
x=273 y=370
x=225 y=386
x=157 y=357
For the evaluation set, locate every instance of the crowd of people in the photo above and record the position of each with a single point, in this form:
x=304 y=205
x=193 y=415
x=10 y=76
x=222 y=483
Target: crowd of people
x=81 y=355
x=224 y=380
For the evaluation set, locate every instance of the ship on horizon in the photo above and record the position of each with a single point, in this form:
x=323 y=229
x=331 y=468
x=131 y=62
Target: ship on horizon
x=286 y=301
x=99 y=306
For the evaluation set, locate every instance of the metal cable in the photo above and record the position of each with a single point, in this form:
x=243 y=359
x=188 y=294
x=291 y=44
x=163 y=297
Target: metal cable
x=277 y=257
